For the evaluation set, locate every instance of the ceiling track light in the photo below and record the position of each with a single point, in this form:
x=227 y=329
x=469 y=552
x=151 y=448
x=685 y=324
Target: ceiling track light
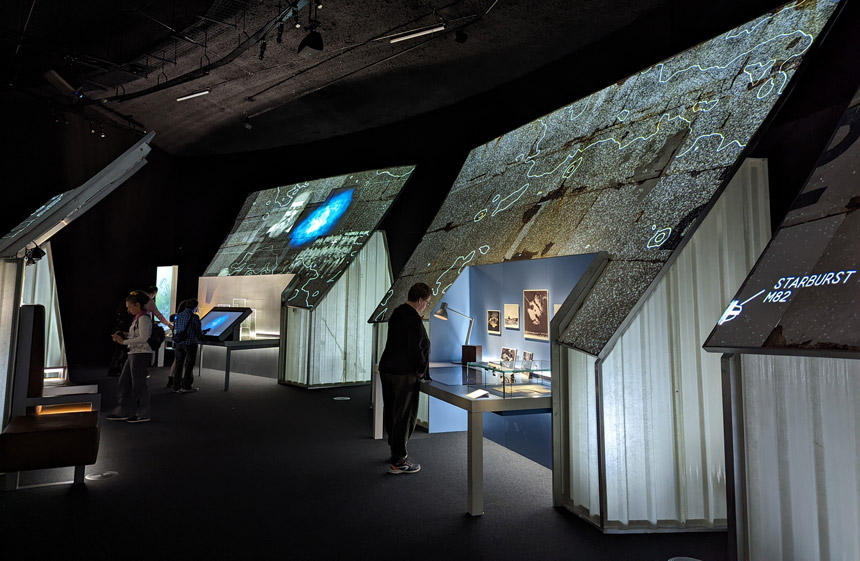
x=92 y=128
x=419 y=33
x=262 y=48
x=189 y=96
x=101 y=130
x=280 y=37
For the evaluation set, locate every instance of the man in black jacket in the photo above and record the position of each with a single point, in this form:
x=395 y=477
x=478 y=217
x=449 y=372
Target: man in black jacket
x=404 y=362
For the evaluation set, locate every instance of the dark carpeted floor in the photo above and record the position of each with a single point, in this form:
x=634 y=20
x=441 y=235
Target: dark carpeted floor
x=278 y=472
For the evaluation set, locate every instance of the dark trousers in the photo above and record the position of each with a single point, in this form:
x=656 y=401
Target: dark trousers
x=400 y=399
x=132 y=391
x=182 y=371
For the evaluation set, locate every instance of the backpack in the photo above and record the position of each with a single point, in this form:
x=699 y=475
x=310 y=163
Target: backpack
x=156 y=336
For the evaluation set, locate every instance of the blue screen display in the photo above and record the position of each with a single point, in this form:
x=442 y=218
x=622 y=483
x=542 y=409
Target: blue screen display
x=217 y=322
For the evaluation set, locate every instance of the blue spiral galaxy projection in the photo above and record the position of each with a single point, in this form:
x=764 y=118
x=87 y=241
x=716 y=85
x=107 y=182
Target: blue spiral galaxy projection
x=313 y=229
x=322 y=220
x=629 y=170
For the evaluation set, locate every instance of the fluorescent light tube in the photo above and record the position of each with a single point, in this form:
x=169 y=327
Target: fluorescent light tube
x=189 y=96
x=415 y=34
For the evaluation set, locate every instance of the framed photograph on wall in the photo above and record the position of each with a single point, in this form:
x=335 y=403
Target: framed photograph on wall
x=494 y=322
x=536 y=314
x=508 y=354
x=528 y=355
x=512 y=316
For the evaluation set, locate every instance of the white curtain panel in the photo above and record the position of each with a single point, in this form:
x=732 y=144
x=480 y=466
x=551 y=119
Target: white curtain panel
x=9 y=271
x=40 y=287
x=661 y=393
x=802 y=435
x=333 y=343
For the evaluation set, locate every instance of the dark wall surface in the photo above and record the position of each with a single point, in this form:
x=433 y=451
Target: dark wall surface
x=178 y=211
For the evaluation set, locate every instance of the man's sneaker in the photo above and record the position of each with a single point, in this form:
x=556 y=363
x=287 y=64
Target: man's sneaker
x=404 y=467
x=117 y=417
x=137 y=419
x=189 y=390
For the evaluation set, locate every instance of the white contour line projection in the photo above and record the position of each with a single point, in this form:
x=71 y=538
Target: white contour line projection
x=659 y=237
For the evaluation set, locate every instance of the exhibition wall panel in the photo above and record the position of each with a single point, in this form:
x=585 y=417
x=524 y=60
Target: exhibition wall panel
x=660 y=392
x=802 y=434
x=333 y=343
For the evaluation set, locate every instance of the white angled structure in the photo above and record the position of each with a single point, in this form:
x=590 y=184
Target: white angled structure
x=638 y=430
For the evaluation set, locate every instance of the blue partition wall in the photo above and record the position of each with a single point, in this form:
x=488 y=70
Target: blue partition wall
x=490 y=287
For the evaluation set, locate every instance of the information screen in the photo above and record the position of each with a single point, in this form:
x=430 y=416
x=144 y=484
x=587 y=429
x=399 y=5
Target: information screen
x=803 y=295
x=218 y=323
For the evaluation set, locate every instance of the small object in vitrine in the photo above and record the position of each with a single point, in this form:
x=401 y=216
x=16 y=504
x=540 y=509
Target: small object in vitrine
x=494 y=322
x=509 y=354
x=528 y=355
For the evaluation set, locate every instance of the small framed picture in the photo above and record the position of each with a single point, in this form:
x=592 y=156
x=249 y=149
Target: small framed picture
x=528 y=355
x=509 y=354
x=512 y=316
x=536 y=314
x=494 y=322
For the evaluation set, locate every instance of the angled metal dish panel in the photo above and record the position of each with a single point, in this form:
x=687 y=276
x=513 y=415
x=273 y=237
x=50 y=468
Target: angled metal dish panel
x=62 y=209
x=628 y=170
x=802 y=297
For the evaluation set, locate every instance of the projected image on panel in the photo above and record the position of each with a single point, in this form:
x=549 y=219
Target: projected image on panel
x=312 y=229
x=803 y=295
x=627 y=170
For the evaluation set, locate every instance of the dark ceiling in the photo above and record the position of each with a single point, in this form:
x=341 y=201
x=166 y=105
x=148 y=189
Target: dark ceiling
x=125 y=62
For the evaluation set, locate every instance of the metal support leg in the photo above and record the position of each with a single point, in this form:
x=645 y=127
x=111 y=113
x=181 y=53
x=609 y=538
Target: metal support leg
x=377 y=404
x=227 y=371
x=79 y=474
x=475 y=465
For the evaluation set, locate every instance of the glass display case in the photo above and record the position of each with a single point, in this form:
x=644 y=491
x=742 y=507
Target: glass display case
x=509 y=378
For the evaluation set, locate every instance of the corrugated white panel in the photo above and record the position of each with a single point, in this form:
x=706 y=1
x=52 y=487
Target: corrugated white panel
x=333 y=344
x=661 y=393
x=802 y=435
x=296 y=345
x=582 y=426
x=9 y=273
x=40 y=287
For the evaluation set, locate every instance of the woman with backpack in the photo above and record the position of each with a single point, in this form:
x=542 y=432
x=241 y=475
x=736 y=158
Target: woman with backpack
x=186 y=336
x=132 y=391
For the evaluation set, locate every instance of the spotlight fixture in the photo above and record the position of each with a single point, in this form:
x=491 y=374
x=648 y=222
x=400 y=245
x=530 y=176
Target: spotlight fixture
x=101 y=130
x=311 y=44
x=280 y=37
x=247 y=123
x=296 y=20
x=319 y=5
x=262 y=48
x=419 y=33
x=461 y=36
x=92 y=128
x=195 y=94
x=33 y=254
